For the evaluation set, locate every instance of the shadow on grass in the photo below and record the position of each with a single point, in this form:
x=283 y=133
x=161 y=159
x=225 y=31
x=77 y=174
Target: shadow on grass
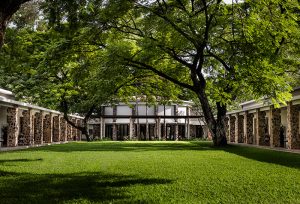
x=264 y=155
x=11 y=162
x=126 y=146
x=72 y=188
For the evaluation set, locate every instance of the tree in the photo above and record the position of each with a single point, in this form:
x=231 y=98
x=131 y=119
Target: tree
x=215 y=50
x=7 y=9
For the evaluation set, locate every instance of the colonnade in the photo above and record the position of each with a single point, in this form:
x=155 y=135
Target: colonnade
x=266 y=126
x=28 y=126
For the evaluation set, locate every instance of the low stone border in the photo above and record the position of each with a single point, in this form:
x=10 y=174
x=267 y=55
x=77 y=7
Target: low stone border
x=5 y=149
x=279 y=149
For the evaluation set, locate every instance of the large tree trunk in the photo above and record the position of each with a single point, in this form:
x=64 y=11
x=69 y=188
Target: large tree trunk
x=215 y=125
x=84 y=131
x=7 y=9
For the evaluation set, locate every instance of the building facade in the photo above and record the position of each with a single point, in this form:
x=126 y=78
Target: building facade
x=23 y=124
x=141 y=121
x=260 y=123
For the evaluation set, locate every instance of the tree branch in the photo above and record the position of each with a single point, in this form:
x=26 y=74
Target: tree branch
x=141 y=65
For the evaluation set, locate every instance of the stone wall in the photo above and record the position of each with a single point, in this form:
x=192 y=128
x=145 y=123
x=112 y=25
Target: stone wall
x=27 y=127
x=47 y=128
x=232 y=128
x=275 y=123
x=63 y=129
x=56 y=129
x=114 y=132
x=293 y=126
x=263 y=136
x=240 y=129
x=38 y=128
x=69 y=132
x=249 y=128
x=13 y=126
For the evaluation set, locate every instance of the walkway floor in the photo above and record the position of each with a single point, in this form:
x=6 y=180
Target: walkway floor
x=5 y=149
x=280 y=149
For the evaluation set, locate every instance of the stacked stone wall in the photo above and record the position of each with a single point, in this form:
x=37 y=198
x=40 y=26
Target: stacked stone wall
x=293 y=126
x=275 y=118
x=56 y=129
x=114 y=132
x=13 y=126
x=63 y=129
x=263 y=136
x=241 y=129
x=47 y=127
x=249 y=128
x=69 y=132
x=38 y=128
x=21 y=136
x=27 y=129
x=232 y=128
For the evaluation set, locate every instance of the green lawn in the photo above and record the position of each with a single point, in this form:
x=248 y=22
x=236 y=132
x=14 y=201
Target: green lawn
x=148 y=172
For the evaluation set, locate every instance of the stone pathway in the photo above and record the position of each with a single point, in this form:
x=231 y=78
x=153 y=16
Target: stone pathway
x=279 y=149
x=5 y=149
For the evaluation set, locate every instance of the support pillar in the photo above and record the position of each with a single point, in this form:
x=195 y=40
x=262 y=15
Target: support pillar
x=131 y=128
x=63 y=129
x=250 y=130
x=147 y=130
x=101 y=128
x=27 y=126
x=261 y=129
x=236 y=131
x=246 y=127
x=293 y=126
x=240 y=129
x=275 y=123
x=13 y=126
x=176 y=132
x=165 y=130
x=227 y=128
x=187 y=124
x=56 y=129
x=47 y=128
x=232 y=120
x=114 y=133
x=38 y=128
x=158 y=128
x=176 y=123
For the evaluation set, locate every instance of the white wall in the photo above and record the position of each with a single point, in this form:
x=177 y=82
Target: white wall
x=143 y=121
x=124 y=110
x=108 y=111
x=123 y=121
x=181 y=110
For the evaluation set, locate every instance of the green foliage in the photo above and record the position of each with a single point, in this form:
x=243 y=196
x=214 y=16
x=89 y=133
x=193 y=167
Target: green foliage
x=245 y=51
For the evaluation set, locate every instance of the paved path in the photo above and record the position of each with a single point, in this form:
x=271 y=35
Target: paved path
x=5 y=149
x=280 y=149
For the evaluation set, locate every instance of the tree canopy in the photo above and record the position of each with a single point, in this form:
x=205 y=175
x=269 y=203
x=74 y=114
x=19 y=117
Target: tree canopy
x=91 y=52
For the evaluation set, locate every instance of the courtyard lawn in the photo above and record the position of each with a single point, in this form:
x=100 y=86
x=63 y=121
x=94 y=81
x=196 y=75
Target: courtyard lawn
x=148 y=172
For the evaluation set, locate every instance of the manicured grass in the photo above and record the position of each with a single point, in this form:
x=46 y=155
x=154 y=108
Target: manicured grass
x=148 y=172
